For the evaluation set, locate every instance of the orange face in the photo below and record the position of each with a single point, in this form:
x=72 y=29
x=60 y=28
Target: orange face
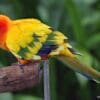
x=4 y=27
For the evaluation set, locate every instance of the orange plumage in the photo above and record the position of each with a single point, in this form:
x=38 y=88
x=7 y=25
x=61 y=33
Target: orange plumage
x=5 y=24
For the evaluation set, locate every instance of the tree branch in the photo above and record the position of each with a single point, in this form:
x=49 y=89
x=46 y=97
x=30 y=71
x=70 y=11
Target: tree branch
x=13 y=78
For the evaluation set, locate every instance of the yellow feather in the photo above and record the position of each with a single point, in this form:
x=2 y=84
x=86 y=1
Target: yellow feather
x=22 y=33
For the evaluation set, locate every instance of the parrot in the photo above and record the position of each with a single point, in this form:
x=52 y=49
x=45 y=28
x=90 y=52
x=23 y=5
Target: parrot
x=29 y=39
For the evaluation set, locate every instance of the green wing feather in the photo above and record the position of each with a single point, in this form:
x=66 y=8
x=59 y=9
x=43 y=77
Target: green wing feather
x=26 y=37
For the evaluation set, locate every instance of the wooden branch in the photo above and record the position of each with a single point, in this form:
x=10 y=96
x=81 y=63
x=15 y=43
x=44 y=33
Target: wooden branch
x=13 y=78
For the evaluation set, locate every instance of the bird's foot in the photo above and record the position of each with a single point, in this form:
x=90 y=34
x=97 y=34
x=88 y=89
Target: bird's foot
x=22 y=62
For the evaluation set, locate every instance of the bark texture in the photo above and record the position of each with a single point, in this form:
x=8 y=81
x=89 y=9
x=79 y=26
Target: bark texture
x=15 y=77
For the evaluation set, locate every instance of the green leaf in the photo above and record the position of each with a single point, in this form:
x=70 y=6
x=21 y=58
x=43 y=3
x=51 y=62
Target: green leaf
x=92 y=41
x=80 y=34
x=27 y=97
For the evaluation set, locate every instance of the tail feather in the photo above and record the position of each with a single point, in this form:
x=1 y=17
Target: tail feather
x=76 y=65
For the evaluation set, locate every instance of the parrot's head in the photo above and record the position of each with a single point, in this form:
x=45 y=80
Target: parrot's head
x=5 y=24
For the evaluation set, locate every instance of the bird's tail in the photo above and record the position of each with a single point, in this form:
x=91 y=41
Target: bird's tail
x=76 y=65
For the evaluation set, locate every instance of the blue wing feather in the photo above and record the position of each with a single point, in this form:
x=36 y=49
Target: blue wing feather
x=46 y=49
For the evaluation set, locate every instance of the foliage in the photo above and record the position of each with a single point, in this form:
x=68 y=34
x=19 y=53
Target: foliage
x=80 y=21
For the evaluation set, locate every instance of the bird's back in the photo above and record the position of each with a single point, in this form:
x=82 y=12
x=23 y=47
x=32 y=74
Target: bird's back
x=30 y=37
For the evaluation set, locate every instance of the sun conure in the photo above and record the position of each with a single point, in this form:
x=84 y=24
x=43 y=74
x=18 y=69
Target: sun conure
x=29 y=39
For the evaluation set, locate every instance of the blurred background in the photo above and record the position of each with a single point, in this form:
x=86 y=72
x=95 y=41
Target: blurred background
x=77 y=19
